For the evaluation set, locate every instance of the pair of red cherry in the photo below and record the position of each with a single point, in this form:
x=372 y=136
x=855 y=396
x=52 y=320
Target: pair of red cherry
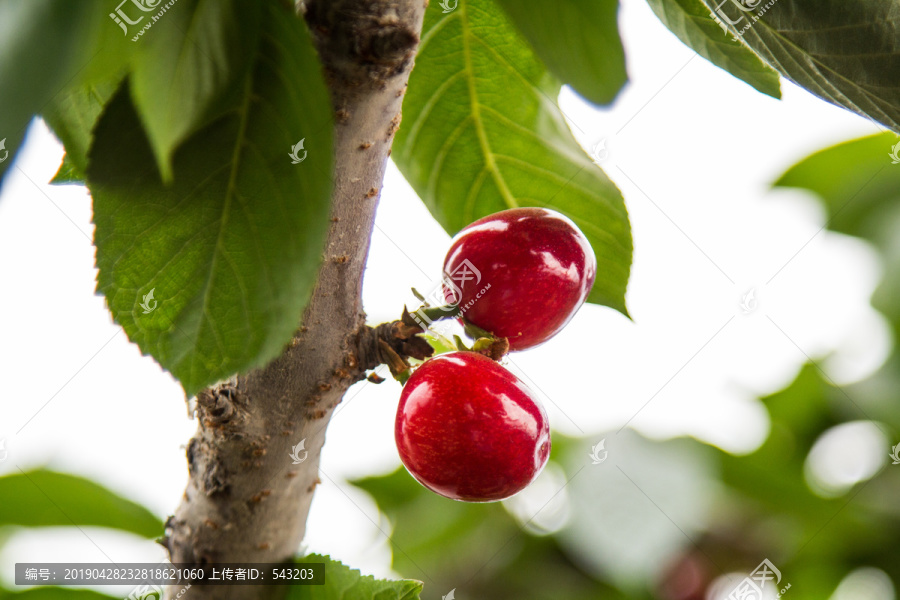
x=466 y=427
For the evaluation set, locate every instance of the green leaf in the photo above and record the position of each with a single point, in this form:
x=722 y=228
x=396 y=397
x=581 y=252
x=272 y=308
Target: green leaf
x=231 y=249
x=72 y=116
x=578 y=40
x=68 y=173
x=344 y=583
x=53 y=593
x=844 y=52
x=694 y=25
x=112 y=48
x=43 y=498
x=50 y=50
x=42 y=44
x=856 y=180
x=482 y=133
x=195 y=52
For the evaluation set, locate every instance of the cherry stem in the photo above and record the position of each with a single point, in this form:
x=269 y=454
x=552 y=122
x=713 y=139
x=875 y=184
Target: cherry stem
x=485 y=342
x=476 y=332
x=460 y=345
x=437 y=313
x=452 y=311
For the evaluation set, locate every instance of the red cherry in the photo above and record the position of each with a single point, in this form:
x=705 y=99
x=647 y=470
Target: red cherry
x=538 y=264
x=468 y=429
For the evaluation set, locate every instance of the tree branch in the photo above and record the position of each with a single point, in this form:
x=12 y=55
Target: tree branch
x=245 y=500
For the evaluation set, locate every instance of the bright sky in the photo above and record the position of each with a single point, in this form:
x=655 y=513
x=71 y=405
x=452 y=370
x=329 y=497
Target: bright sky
x=694 y=151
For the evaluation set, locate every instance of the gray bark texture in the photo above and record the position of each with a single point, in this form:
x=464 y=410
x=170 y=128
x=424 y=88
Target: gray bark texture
x=245 y=501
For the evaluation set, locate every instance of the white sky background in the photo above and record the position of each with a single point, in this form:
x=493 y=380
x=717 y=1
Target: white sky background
x=694 y=156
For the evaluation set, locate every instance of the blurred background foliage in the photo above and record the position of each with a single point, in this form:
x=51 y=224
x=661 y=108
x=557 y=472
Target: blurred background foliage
x=671 y=520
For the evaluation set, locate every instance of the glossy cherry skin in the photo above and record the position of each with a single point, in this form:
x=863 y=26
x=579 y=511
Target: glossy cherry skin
x=538 y=264
x=468 y=429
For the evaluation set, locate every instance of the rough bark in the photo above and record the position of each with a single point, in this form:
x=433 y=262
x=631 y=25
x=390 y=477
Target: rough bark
x=245 y=501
